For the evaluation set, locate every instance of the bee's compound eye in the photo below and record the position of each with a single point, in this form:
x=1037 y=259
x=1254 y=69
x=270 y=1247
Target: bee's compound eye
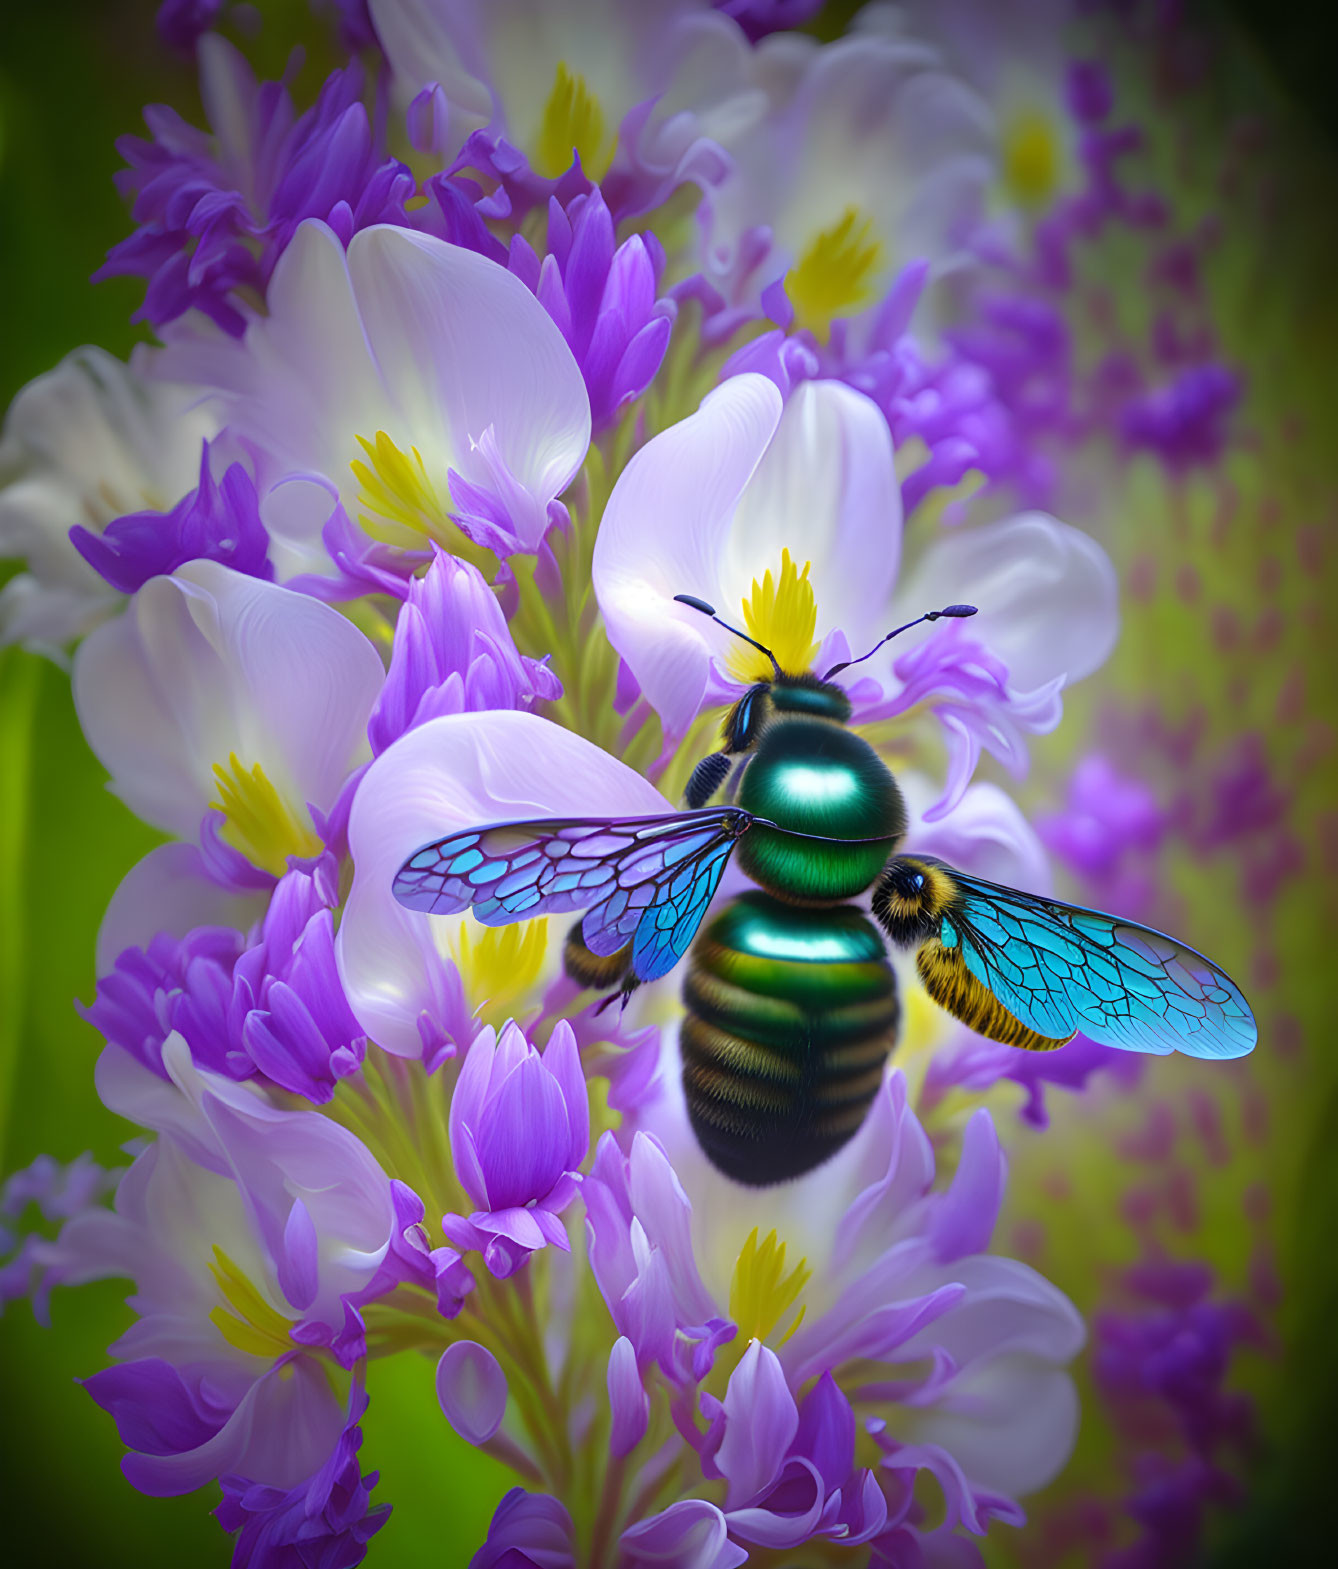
x=918 y=880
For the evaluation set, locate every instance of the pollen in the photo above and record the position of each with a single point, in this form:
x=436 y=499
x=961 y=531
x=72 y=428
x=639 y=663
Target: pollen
x=572 y=121
x=1030 y=158
x=259 y=821
x=500 y=965
x=835 y=274
x=762 y=1292
x=398 y=502
x=246 y=1320
x=782 y=614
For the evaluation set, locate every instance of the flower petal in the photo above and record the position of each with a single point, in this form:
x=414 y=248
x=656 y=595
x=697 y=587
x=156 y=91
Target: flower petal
x=209 y=662
x=1047 y=595
x=455 y=772
x=664 y=532
x=471 y=1387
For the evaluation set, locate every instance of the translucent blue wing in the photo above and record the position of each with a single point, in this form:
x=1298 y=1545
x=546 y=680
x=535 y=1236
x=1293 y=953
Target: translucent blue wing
x=1060 y=968
x=644 y=880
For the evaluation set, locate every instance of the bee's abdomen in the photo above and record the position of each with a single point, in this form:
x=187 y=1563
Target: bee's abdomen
x=790 y=1016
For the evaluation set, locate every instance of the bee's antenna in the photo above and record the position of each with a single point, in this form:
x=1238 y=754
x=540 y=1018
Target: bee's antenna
x=709 y=610
x=929 y=615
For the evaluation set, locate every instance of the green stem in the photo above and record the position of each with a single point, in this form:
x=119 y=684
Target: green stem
x=20 y=674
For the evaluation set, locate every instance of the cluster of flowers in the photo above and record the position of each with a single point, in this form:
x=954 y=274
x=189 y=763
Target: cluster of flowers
x=531 y=321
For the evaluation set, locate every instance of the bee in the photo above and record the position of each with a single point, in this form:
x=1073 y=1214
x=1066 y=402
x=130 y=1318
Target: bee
x=791 y=1006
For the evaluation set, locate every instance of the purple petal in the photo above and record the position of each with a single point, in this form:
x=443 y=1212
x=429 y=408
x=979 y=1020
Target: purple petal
x=963 y=1220
x=627 y=1399
x=761 y=1420
x=472 y=1390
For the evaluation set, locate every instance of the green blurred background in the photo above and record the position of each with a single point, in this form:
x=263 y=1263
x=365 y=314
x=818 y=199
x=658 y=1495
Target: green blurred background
x=74 y=75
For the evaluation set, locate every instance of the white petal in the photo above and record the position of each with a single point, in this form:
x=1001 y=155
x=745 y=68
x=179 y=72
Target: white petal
x=827 y=491
x=433 y=344
x=85 y=443
x=208 y=662
x=461 y=771
x=1047 y=594
x=985 y=834
x=463 y=344
x=664 y=532
x=1010 y=1425
x=169 y=891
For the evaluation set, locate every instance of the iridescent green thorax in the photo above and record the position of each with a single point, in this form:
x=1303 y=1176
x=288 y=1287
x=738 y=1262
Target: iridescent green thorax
x=813 y=776
x=809 y=694
x=790 y=1016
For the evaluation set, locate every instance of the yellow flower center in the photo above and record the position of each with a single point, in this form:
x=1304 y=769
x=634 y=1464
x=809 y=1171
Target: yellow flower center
x=398 y=502
x=761 y=1292
x=572 y=121
x=836 y=273
x=1030 y=156
x=247 y=1321
x=782 y=614
x=259 y=821
x=499 y=965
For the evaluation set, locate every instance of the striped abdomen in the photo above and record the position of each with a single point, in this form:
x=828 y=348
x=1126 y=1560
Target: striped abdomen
x=791 y=1013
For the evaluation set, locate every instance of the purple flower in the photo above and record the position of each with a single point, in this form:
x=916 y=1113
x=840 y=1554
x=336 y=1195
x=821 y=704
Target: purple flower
x=895 y=1309
x=325 y=1520
x=182 y=23
x=818 y=467
x=759 y=17
x=1185 y=421
x=271 y=1009
x=216 y=211
x=528 y=1531
x=520 y=1128
x=603 y=298
x=638 y=1226
x=219 y=521
x=445 y=398
x=59 y=1193
x=453 y=653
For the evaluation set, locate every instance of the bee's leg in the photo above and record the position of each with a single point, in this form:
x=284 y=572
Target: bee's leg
x=707 y=777
x=629 y=985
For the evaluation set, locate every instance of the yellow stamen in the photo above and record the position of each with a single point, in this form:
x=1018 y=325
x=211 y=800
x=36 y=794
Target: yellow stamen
x=836 y=273
x=259 y=821
x=1030 y=158
x=761 y=1293
x=499 y=965
x=572 y=121
x=781 y=614
x=248 y=1321
x=398 y=502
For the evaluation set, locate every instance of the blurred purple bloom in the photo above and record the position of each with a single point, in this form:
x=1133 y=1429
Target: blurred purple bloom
x=528 y=1531
x=215 y=210
x=520 y=1128
x=453 y=653
x=219 y=521
x=58 y=1193
x=355 y=23
x=325 y=1522
x=603 y=297
x=1110 y=824
x=182 y=23
x=1184 y=422
x=759 y=17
